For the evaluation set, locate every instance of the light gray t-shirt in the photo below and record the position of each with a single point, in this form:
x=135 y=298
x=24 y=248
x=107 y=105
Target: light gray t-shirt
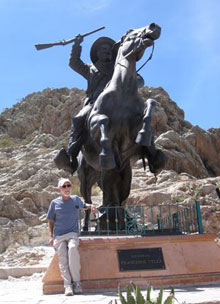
x=65 y=214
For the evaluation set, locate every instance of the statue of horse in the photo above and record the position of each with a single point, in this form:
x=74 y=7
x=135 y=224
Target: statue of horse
x=118 y=127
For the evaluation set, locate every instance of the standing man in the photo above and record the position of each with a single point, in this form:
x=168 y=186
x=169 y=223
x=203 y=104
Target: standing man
x=97 y=74
x=62 y=216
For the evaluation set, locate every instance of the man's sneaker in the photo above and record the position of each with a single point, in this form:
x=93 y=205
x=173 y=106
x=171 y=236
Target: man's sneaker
x=77 y=287
x=68 y=291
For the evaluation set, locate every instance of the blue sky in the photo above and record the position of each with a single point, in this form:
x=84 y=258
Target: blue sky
x=186 y=61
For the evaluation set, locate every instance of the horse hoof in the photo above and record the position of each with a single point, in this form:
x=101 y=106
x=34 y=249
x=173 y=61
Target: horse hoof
x=144 y=138
x=85 y=228
x=106 y=161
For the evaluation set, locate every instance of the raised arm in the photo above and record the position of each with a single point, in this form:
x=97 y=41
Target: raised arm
x=75 y=61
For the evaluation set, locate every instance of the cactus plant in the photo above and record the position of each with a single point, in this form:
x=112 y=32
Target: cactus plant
x=134 y=296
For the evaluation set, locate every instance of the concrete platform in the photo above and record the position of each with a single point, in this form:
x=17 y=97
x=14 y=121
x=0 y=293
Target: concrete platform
x=189 y=259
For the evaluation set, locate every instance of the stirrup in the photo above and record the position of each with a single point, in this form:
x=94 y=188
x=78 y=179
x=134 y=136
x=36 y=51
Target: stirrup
x=62 y=161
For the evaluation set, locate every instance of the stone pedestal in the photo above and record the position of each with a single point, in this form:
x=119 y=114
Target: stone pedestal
x=188 y=259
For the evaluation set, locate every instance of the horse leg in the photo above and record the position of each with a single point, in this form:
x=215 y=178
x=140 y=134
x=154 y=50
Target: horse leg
x=88 y=177
x=144 y=137
x=123 y=189
x=156 y=158
x=106 y=157
x=116 y=188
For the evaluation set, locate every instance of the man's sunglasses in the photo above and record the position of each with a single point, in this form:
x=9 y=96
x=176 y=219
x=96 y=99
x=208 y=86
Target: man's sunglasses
x=66 y=186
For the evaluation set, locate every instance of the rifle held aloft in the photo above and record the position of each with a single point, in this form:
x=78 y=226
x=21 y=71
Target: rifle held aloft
x=64 y=42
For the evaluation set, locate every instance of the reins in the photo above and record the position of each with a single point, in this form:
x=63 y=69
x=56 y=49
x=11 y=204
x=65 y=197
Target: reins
x=151 y=55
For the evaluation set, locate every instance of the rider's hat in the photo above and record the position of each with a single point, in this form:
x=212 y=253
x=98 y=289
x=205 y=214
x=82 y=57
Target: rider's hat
x=97 y=43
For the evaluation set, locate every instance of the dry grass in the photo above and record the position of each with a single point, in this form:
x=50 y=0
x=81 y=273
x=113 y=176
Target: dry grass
x=7 y=142
x=75 y=190
x=7 y=162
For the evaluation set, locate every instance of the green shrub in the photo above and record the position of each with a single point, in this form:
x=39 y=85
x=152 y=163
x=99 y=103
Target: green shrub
x=134 y=296
x=197 y=193
x=7 y=142
x=180 y=199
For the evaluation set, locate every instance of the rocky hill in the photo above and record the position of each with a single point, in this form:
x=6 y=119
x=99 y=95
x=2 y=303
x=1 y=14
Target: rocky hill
x=32 y=132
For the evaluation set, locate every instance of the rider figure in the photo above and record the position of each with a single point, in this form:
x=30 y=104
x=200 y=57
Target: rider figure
x=97 y=74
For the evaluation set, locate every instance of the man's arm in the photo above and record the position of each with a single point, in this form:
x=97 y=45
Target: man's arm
x=84 y=206
x=91 y=207
x=75 y=61
x=51 y=228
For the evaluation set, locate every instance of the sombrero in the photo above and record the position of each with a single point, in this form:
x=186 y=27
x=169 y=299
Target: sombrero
x=97 y=43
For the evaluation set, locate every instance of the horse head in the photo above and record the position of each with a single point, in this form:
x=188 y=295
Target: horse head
x=135 y=41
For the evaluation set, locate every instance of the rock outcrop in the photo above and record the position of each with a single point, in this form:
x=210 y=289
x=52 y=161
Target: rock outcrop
x=33 y=131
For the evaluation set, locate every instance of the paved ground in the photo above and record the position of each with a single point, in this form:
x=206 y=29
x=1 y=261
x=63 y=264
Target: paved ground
x=29 y=290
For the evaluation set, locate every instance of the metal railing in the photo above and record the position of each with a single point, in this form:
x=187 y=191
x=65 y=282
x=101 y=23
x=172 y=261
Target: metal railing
x=165 y=219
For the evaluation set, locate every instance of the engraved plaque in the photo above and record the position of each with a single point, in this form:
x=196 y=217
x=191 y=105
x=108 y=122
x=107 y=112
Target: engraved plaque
x=141 y=259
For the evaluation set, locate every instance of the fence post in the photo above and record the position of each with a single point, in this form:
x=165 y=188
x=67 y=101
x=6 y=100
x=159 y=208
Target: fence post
x=179 y=218
x=152 y=217
x=199 y=217
x=186 y=211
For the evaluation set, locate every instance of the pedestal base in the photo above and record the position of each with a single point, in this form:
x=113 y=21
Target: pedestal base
x=189 y=259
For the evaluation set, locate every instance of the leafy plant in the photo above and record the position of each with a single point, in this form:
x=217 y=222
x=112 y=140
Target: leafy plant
x=180 y=199
x=197 y=193
x=134 y=296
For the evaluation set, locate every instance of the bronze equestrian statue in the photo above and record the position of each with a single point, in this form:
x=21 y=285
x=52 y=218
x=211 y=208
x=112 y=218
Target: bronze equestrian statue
x=97 y=74
x=117 y=126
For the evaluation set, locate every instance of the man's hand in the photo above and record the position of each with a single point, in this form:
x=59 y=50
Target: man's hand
x=91 y=207
x=94 y=210
x=78 y=39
